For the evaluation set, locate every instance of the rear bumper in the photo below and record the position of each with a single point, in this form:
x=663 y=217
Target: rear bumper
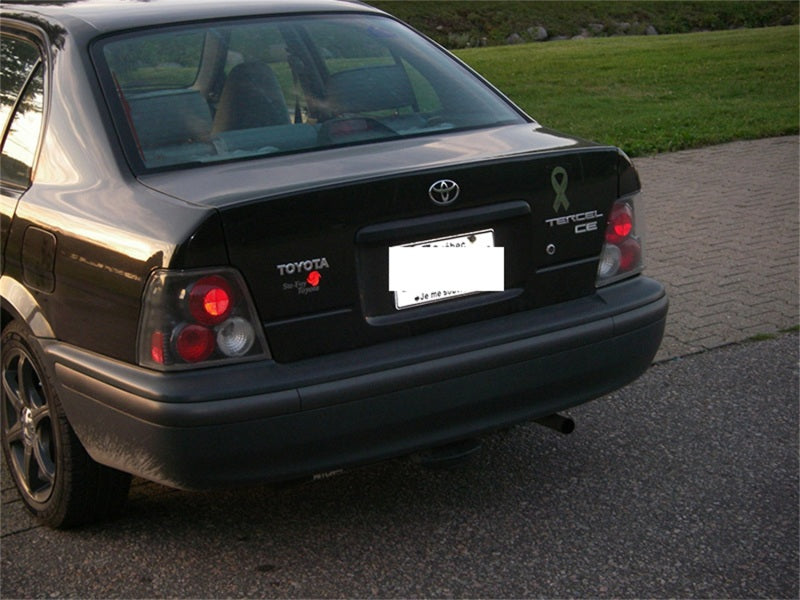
x=264 y=421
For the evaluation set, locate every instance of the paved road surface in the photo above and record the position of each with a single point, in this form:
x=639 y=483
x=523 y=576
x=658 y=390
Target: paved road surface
x=685 y=484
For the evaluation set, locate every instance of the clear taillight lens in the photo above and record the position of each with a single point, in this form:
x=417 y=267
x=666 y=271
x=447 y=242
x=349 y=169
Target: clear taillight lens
x=622 y=251
x=198 y=318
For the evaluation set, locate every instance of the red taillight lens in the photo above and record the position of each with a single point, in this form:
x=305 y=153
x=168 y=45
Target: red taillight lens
x=194 y=343
x=157 y=347
x=210 y=300
x=630 y=255
x=622 y=252
x=620 y=223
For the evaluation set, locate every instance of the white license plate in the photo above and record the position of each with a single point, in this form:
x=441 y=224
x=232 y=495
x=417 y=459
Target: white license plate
x=470 y=261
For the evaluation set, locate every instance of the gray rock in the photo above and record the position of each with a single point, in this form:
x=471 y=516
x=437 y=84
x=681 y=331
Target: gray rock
x=538 y=33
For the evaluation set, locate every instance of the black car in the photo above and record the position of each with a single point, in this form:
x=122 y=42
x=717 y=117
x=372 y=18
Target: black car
x=258 y=241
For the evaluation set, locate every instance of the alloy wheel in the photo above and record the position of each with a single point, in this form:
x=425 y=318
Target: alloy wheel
x=28 y=426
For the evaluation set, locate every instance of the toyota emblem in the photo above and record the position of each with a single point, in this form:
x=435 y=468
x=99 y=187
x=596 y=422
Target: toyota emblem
x=444 y=192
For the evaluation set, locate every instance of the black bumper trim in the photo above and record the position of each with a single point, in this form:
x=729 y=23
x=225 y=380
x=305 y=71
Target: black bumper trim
x=347 y=412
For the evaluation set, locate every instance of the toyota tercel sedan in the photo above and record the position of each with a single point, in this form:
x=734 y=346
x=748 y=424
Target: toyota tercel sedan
x=261 y=241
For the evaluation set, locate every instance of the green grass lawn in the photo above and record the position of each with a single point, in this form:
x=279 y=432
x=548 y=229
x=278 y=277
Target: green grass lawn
x=654 y=94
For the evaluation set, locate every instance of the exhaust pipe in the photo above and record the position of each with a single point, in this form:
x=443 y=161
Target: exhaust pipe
x=558 y=423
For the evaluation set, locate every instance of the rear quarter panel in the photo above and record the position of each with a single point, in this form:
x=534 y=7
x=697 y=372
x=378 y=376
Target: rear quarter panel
x=104 y=231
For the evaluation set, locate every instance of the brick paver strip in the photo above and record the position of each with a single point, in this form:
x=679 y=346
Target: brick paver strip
x=723 y=236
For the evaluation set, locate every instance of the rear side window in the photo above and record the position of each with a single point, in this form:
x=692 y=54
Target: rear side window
x=21 y=103
x=18 y=58
x=233 y=90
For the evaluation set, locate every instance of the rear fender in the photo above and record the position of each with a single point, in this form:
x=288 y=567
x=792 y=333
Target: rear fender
x=19 y=303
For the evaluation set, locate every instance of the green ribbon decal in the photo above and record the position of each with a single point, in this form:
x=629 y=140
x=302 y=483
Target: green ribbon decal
x=560 y=188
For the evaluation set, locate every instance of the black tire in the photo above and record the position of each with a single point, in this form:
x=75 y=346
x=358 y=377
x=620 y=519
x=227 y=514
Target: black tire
x=58 y=481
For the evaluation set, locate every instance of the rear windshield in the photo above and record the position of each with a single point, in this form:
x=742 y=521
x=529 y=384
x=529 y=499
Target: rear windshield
x=234 y=90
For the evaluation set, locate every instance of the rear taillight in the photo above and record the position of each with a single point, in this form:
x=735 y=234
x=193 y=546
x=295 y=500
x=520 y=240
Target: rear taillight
x=197 y=318
x=211 y=299
x=622 y=251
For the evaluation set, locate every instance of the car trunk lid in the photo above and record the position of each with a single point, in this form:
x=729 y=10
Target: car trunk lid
x=311 y=233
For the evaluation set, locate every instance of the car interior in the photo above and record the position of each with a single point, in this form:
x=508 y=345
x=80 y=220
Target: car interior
x=223 y=93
